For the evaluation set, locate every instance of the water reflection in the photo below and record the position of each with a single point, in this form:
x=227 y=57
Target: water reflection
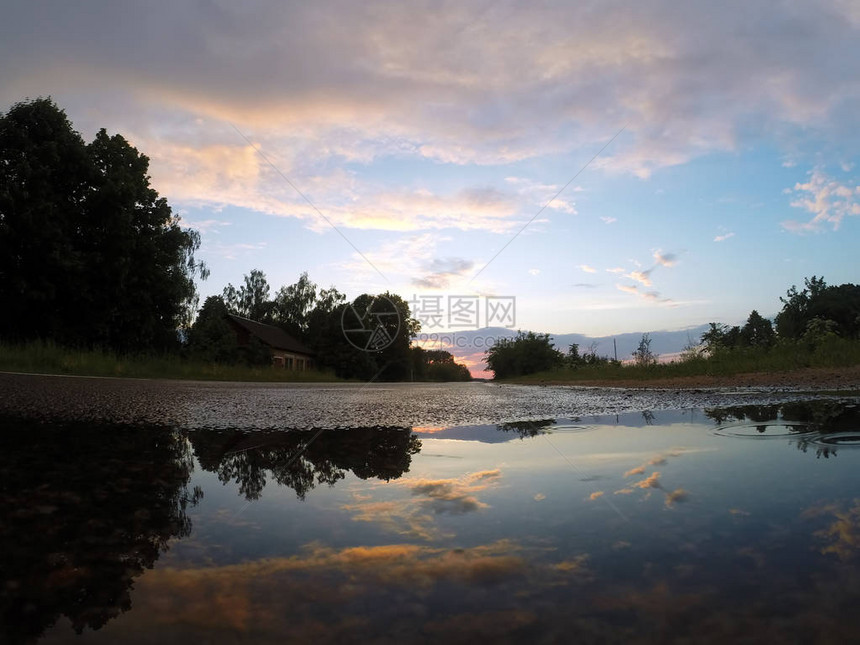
x=303 y=459
x=85 y=510
x=813 y=426
x=692 y=535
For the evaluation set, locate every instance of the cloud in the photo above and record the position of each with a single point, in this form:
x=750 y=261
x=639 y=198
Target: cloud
x=595 y=495
x=643 y=277
x=651 y=296
x=232 y=251
x=665 y=259
x=540 y=497
x=828 y=200
x=443 y=272
x=616 y=270
x=587 y=269
x=534 y=271
x=723 y=237
x=635 y=471
x=361 y=82
x=609 y=220
x=585 y=285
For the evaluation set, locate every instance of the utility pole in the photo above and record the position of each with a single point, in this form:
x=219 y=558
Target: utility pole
x=615 y=347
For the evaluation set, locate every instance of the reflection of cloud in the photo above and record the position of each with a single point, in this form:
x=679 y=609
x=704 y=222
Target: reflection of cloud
x=540 y=497
x=652 y=481
x=843 y=533
x=414 y=515
x=677 y=495
x=595 y=494
x=635 y=471
x=453 y=496
x=326 y=591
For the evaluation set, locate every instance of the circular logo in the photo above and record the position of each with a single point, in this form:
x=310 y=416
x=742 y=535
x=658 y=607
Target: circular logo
x=370 y=323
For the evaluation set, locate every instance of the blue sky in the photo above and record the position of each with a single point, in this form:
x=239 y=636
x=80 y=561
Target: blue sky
x=430 y=133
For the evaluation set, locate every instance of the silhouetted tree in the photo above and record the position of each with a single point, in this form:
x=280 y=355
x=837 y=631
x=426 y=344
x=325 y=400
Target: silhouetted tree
x=89 y=253
x=643 y=355
x=527 y=353
x=250 y=300
x=757 y=332
x=211 y=338
x=841 y=304
x=293 y=305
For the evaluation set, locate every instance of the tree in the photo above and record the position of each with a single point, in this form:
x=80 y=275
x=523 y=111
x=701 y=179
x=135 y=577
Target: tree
x=526 y=354
x=250 y=300
x=643 y=355
x=757 y=332
x=211 y=338
x=437 y=365
x=293 y=305
x=572 y=359
x=841 y=304
x=90 y=255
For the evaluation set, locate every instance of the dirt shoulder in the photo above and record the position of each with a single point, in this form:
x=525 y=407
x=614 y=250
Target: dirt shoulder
x=811 y=378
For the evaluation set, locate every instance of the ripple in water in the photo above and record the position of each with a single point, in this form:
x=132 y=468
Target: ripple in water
x=840 y=439
x=766 y=430
x=571 y=429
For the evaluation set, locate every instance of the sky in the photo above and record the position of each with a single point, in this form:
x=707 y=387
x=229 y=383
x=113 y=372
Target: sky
x=611 y=166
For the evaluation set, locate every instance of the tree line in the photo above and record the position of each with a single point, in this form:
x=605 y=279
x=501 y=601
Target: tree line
x=315 y=316
x=810 y=318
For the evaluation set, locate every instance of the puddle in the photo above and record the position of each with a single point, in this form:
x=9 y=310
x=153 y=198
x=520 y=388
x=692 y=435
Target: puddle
x=840 y=439
x=768 y=430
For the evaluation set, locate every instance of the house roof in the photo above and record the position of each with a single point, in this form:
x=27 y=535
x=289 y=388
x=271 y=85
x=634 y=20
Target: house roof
x=273 y=336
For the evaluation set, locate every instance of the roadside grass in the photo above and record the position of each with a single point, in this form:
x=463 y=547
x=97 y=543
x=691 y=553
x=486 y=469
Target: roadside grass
x=837 y=352
x=48 y=358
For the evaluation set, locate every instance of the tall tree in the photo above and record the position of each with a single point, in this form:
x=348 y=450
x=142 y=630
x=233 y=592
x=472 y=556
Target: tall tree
x=757 y=332
x=250 y=300
x=89 y=253
x=643 y=355
x=293 y=305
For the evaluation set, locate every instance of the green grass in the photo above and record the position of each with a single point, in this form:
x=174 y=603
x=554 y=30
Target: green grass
x=836 y=352
x=48 y=358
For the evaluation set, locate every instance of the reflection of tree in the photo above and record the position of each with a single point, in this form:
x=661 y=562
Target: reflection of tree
x=303 y=459
x=85 y=509
x=649 y=417
x=806 y=417
x=526 y=428
x=823 y=416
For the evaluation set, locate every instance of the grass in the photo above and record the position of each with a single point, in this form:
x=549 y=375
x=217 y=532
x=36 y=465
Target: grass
x=833 y=353
x=48 y=358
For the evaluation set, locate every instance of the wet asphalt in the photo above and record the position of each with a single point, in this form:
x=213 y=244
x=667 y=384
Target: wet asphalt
x=271 y=406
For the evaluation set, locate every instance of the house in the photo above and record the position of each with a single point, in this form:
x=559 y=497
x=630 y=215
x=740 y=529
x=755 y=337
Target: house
x=287 y=352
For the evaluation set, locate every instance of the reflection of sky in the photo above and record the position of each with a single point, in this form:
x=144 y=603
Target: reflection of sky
x=661 y=520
